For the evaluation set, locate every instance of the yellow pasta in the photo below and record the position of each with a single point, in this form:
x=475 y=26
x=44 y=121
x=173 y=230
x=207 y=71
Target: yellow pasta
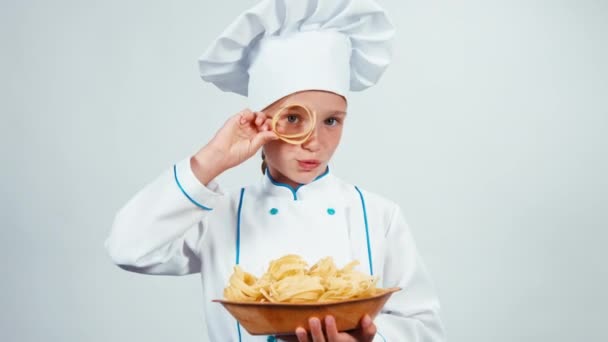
x=289 y=280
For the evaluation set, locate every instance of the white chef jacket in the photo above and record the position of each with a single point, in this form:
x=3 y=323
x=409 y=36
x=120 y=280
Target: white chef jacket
x=177 y=226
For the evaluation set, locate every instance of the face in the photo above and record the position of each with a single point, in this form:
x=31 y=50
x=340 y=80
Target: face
x=301 y=164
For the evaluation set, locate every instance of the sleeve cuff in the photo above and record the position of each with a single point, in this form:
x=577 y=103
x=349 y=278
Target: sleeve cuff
x=200 y=195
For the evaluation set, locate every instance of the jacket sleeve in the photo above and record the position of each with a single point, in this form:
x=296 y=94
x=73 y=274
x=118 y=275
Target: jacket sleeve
x=159 y=230
x=412 y=314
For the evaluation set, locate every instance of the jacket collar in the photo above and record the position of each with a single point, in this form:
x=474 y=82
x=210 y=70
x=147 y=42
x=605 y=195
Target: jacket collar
x=317 y=188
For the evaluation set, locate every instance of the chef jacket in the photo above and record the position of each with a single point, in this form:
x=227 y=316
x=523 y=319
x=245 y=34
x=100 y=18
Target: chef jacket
x=178 y=226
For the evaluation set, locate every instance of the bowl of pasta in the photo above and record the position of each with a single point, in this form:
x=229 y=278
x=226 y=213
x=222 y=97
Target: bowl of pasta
x=289 y=293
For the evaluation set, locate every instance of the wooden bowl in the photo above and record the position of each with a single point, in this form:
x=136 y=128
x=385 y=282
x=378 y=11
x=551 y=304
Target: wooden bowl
x=283 y=318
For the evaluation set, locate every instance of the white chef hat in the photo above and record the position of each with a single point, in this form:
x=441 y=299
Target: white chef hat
x=279 y=47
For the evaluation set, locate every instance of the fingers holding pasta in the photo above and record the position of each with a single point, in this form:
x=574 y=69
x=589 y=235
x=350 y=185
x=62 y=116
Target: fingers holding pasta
x=238 y=140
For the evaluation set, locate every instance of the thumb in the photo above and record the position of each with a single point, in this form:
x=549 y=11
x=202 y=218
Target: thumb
x=262 y=138
x=368 y=329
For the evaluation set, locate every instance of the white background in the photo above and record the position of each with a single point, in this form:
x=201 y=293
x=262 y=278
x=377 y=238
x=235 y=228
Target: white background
x=489 y=129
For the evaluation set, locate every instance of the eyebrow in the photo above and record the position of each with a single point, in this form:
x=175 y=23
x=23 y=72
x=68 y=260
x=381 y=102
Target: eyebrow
x=330 y=113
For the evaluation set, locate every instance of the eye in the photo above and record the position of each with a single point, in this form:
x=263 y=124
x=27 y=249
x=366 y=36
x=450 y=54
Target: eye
x=332 y=121
x=293 y=118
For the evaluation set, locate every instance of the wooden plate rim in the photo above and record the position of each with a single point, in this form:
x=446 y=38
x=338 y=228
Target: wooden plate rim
x=384 y=293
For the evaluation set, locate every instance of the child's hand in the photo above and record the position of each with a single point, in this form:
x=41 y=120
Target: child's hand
x=239 y=139
x=365 y=333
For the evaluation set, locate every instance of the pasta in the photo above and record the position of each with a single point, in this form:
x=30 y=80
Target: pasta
x=289 y=280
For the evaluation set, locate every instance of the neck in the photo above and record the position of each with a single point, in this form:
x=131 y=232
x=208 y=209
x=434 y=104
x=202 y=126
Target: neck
x=280 y=178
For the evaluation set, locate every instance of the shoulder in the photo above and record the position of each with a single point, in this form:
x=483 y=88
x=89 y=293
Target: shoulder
x=246 y=193
x=233 y=196
x=372 y=201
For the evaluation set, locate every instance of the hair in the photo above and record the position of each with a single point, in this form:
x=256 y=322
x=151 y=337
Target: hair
x=264 y=165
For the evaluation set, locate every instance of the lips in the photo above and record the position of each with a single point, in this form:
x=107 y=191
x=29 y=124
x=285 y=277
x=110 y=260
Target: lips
x=309 y=164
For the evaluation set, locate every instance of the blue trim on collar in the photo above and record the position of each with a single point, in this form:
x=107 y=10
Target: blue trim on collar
x=293 y=191
x=184 y=191
x=369 y=248
x=323 y=174
x=379 y=334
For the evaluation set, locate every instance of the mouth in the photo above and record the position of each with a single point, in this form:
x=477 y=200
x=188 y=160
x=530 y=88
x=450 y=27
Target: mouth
x=309 y=164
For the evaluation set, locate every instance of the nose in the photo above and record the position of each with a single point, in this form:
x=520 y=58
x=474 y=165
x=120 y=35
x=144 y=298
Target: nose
x=312 y=144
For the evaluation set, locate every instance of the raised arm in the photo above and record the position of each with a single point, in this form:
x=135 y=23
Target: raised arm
x=159 y=230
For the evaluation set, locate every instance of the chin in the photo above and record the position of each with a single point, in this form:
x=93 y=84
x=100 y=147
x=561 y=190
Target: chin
x=306 y=180
x=304 y=177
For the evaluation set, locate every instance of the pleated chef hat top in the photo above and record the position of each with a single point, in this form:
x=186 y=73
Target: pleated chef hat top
x=279 y=47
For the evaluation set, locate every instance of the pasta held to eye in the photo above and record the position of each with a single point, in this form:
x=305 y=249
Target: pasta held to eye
x=289 y=280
